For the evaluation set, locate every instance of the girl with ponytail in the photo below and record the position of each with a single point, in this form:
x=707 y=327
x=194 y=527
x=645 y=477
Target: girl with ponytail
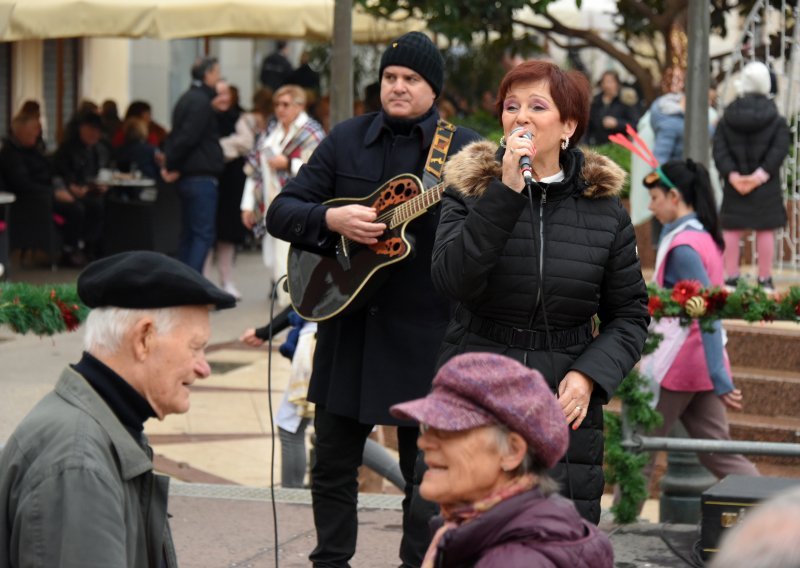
x=689 y=371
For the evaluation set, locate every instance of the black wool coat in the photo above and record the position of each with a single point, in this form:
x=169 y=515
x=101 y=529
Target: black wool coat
x=752 y=134
x=384 y=352
x=501 y=263
x=192 y=147
x=27 y=172
x=625 y=114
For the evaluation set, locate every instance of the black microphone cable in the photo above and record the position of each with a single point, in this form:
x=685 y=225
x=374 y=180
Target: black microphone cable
x=529 y=183
x=273 y=300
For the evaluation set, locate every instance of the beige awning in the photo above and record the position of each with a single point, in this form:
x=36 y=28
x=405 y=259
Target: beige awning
x=172 y=19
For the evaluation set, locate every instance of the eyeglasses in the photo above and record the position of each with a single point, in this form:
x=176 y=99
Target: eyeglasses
x=437 y=433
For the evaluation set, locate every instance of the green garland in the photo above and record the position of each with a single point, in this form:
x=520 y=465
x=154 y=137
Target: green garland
x=688 y=301
x=43 y=310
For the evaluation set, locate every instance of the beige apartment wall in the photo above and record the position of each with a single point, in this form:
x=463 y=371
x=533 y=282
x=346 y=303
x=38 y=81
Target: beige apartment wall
x=105 y=72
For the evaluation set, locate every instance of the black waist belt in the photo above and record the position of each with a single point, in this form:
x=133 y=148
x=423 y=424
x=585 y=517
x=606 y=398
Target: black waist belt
x=523 y=338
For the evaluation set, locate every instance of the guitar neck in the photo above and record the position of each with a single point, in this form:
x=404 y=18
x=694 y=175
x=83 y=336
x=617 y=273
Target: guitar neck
x=415 y=207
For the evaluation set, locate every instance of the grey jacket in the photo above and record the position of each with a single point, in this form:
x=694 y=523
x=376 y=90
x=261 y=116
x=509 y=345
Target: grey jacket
x=76 y=489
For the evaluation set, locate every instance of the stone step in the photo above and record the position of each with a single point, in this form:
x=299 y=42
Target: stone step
x=767 y=346
x=768 y=391
x=764 y=428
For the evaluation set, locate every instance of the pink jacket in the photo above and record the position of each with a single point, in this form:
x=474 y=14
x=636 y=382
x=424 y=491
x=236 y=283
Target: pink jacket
x=689 y=371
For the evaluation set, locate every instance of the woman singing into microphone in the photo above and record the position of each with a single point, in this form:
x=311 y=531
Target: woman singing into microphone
x=530 y=267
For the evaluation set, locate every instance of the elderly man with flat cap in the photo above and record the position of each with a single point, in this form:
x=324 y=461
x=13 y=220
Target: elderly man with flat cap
x=77 y=486
x=384 y=351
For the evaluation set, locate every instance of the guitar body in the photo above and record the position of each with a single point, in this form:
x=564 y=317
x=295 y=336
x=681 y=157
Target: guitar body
x=324 y=285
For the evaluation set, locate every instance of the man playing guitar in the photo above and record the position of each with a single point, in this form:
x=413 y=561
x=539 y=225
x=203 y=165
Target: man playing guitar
x=383 y=351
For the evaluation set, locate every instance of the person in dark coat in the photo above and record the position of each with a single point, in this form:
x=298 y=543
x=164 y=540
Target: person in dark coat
x=608 y=113
x=194 y=159
x=135 y=155
x=383 y=352
x=30 y=176
x=77 y=163
x=229 y=229
x=276 y=67
x=490 y=430
x=532 y=266
x=304 y=76
x=750 y=145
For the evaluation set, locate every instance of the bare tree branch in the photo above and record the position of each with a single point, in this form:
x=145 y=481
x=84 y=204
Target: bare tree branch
x=562 y=45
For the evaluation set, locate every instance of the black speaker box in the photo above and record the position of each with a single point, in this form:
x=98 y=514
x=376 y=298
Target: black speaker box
x=726 y=504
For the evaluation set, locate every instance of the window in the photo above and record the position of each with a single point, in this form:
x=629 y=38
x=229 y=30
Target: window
x=61 y=57
x=5 y=88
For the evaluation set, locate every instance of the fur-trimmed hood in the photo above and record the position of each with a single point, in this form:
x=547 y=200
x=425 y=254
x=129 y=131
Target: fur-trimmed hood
x=470 y=171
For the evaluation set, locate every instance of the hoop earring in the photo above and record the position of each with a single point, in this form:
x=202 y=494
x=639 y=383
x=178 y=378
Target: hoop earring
x=565 y=144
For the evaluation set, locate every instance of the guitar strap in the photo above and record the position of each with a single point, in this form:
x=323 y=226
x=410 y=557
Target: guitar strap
x=437 y=155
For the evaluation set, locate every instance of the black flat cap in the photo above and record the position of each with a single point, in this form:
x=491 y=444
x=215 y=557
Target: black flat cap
x=144 y=280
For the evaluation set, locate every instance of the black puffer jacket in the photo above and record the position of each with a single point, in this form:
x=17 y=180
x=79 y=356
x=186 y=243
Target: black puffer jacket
x=489 y=256
x=752 y=134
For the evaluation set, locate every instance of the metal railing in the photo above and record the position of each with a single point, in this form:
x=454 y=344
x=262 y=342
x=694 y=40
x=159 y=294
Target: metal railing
x=632 y=440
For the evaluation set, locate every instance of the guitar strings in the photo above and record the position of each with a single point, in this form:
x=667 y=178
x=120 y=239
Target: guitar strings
x=402 y=208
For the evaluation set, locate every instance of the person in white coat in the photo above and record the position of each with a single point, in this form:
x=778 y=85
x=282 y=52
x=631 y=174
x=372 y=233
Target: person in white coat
x=281 y=150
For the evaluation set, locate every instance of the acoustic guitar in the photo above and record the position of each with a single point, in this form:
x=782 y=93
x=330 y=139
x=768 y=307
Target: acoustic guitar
x=323 y=285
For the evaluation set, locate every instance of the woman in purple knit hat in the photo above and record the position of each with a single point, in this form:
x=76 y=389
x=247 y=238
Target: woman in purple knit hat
x=491 y=428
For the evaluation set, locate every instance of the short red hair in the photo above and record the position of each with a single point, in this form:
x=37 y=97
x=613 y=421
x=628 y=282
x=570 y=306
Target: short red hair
x=570 y=91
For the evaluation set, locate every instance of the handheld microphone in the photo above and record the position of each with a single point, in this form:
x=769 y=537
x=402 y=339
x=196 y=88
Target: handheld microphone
x=525 y=161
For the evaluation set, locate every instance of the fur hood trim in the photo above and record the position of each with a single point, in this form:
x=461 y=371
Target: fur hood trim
x=470 y=171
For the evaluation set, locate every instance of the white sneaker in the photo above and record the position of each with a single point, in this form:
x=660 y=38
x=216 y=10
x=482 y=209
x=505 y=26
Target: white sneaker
x=231 y=289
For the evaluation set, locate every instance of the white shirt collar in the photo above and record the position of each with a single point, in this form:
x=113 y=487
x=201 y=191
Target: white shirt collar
x=555 y=178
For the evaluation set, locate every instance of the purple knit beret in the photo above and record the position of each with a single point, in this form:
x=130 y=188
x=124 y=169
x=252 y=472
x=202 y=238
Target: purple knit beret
x=478 y=389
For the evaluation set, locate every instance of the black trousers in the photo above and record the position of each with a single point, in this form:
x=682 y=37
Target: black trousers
x=334 y=491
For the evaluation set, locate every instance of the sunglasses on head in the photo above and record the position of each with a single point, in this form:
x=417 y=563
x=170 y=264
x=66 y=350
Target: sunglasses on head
x=656 y=176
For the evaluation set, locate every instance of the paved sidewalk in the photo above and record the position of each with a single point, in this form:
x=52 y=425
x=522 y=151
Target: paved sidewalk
x=219 y=526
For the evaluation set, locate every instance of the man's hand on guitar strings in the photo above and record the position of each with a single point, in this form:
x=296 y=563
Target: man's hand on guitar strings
x=356 y=222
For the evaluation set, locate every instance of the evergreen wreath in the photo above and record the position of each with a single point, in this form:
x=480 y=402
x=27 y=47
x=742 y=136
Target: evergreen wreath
x=688 y=301
x=43 y=310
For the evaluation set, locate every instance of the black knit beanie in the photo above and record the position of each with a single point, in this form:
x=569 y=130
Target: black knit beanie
x=416 y=51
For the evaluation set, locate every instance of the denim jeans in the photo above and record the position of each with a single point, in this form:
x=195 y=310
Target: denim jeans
x=198 y=195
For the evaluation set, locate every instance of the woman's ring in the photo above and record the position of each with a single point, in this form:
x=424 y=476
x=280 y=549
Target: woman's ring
x=578 y=407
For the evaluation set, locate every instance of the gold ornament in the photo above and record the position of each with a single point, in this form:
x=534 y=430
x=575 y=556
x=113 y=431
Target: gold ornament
x=696 y=307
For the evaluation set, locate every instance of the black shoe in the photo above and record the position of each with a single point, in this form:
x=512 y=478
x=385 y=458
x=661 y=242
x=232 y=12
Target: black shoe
x=732 y=283
x=767 y=285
